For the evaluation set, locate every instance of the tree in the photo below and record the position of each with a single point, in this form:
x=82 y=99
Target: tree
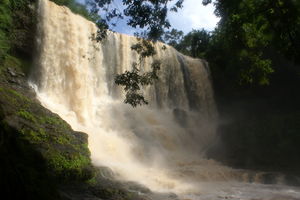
x=149 y=15
x=251 y=32
x=195 y=43
x=173 y=37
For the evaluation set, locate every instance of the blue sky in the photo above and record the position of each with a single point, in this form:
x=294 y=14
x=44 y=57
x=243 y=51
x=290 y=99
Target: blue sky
x=193 y=15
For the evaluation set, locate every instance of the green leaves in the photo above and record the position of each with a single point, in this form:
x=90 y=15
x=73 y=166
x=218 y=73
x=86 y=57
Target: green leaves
x=149 y=15
x=173 y=37
x=134 y=80
x=144 y=48
x=255 y=68
x=250 y=33
x=134 y=99
x=5 y=27
x=194 y=44
x=130 y=79
x=255 y=36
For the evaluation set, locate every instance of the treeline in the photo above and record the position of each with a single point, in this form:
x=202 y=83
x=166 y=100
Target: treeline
x=254 y=58
x=79 y=8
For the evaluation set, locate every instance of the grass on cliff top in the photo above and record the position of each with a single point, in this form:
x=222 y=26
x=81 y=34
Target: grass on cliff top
x=77 y=8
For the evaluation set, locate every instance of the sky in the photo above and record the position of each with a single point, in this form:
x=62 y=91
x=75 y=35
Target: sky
x=193 y=15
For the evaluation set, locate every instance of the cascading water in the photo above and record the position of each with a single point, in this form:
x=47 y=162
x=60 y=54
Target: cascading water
x=160 y=145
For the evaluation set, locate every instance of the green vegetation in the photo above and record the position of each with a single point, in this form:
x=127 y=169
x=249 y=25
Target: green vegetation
x=78 y=8
x=15 y=98
x=26 y=115
x=255 y=32
x=5 y=24
x=17 y=25
x=49 y=132
x=38 y=149
x=23 y=172
x=133 y=80
x=71 y=167
x=194 y=44
x=150 y=16
x=53 y=121
x=33 y=136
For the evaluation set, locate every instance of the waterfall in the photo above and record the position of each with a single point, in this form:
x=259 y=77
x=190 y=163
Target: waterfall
x=161 y=145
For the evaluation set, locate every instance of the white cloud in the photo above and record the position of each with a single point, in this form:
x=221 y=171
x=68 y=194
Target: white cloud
x=194 y=16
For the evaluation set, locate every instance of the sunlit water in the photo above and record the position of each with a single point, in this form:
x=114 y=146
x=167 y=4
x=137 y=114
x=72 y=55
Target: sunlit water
x=161 y=146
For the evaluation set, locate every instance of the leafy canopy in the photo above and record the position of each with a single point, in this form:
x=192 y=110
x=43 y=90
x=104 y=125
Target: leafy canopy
x=253 y=31
x=149 y=15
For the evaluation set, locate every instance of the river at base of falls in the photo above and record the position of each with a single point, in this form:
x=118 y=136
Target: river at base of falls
x=161 y=146
x=243 y=191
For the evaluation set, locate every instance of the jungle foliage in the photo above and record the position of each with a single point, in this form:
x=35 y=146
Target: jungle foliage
x=78 y=8
x=16 y=28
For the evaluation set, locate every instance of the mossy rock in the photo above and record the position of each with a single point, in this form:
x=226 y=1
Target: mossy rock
x=23 y=170
x=65 y=151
